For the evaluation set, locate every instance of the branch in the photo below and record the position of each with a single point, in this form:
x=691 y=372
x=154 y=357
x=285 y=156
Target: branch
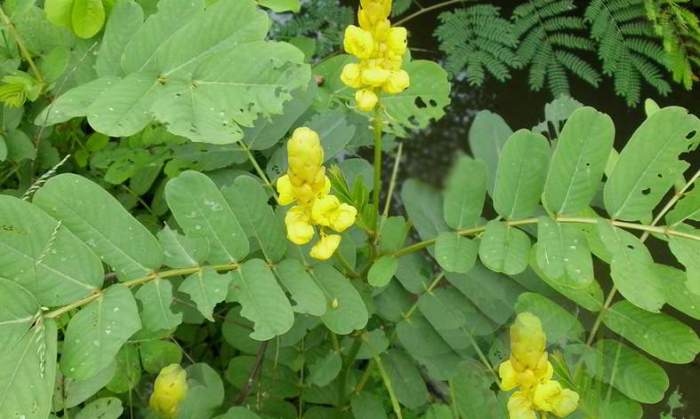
x=252 y=376
x=20 y=44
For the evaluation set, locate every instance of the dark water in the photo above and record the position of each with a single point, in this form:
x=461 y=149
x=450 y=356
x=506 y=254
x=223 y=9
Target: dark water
x=430 y=153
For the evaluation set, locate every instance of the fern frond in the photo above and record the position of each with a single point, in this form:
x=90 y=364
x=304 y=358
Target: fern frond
x=679 y=28
x=550 y=33
x=477 y=41
x=627 y=46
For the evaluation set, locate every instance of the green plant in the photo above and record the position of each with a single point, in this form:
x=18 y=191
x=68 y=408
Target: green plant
x=166 y=244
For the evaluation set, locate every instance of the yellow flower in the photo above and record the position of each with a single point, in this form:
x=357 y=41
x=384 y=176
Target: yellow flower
x=527 y=340
x=366 y=100
x=397 y=82
x=375 y=76
x=299 y=229
x=358 y=42
x=325 y=247
x=520 y=406
x=397 y=40
x=305 y=154
x=285 y=190
x=169 y=390
x=343 y=218
x=351 y=75
x=329 y=212
x=551 y=397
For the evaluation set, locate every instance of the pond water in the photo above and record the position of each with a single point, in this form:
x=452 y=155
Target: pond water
x=430 y=153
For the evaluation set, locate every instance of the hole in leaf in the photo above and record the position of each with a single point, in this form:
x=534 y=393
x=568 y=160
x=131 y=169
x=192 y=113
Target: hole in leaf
x=420 y=103
x=690 y=135
x=646 y=191
x=629 y=246
x=432 y=102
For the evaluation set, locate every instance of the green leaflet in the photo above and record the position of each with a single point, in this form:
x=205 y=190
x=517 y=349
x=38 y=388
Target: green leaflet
x=325 y=369
x=308 y=296
x=455 y=253
x=124 y=20
x=687 y=251
x=521 y=173
x=633 y=374
x=558 y=323
x=473 y=395
x=98 y=331
x=262 y=300
x=202 y=211
x=38 y=252
x=18 y=309
x=98 y=219
x=425 y=345
x=382 y=270
x=204 y=394
x=687 y=208
x=632 y=268
x=677 y=293
x=649 y=164
x=367 y=406
x=465 y=192
x=156 y=297
x=248 y=200
x=656 y=333
x=345 y=311
x=504 y=248
x=206 y=288
x=157 y=354
x=77 y=391
x=179 y=77
x=487 y=135
x=27 y=373
x=424 y=208
x=128 y=370
x=563 y=253
x=182 y=251
x=104 y=408
x=405 y=378
x=578 y=161
x=87 y=17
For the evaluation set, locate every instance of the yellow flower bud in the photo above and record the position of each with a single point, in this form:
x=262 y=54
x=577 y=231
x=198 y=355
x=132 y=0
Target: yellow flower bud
x=351 y=76
x=366 y=100
x=285 y=190
x=299 y=230
x=325 y=247
x=397 y=82
x=566 y=404
x=520 y=406
x=305 y=146
x=343 y=218
x=396 y=41
x=381 y=30
x=527 y=340
x=169 y=390
x=375 y=76
x=358 y=42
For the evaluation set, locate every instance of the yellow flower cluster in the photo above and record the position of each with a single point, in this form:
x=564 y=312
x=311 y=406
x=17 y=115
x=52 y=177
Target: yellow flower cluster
x=307 y=185
x=169 y=390
x=529 y=370
x=380 y=50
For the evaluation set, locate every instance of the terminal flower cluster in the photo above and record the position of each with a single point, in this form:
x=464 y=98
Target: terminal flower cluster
x=529 y=370
x=307 y=186
x=380 y=50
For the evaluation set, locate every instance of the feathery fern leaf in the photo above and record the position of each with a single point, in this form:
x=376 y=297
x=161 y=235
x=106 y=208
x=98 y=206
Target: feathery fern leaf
x=477 y=41
x=549 y=36
x=627 y=46
x=679 y=28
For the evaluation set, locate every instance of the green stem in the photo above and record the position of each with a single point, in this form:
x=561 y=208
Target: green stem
x=389 y=388
x=365 y=377
x=664 y=230
x=259 y=170
x=377 y=124
x=20 y=44
x=426 y=10
x=390 y=192
x=139 y=281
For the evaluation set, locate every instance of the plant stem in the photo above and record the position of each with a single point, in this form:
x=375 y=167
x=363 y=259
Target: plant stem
x=377 y=123
x=389 y=388
x=390 y=192
x=259 y=170
x=260 y=355
x=426 y=10
x=20 y=44
x=139 y=281
x=365 y=377
x=665 y=230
